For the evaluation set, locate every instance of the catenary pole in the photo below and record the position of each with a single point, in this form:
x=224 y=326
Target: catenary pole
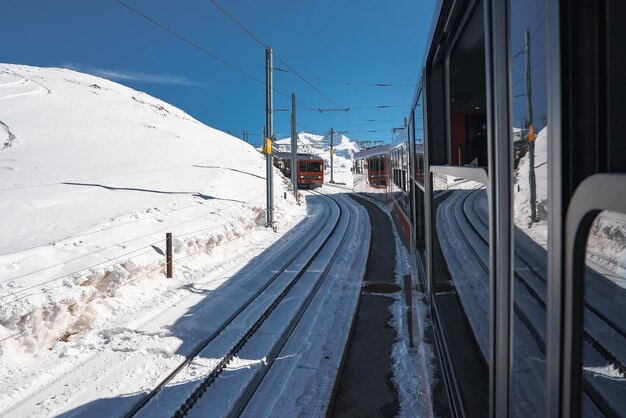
x=531 y=134
x=269 y=129
x=294 y=147
x=332 y=153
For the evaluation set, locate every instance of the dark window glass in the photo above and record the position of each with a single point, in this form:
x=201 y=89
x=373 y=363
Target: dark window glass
x=460 y=271
x=468 y=102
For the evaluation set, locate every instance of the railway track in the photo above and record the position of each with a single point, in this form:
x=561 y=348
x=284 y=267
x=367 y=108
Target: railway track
x=528 y=275
x=270 y=310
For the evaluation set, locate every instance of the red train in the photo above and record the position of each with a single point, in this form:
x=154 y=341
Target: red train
x=310 y=169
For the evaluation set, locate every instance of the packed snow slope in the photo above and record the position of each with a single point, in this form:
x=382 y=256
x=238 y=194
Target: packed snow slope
x=320 y=145
x=92 y=176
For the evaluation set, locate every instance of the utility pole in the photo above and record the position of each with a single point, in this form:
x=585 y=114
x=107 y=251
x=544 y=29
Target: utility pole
x=332 y=153
x=294 y=147
x=269 y=129
x=531 y=134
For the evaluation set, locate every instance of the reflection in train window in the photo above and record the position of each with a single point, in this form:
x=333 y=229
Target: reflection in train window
x=604 y=333
x=468 y=103
x=530 y=206
x=460 y=271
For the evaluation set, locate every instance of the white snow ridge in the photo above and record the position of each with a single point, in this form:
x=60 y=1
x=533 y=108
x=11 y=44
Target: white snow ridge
x=92 y=176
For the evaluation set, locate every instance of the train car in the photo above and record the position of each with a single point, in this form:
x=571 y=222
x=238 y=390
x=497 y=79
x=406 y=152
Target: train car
x=310 y=168
x=370 y=169
x=376 y=171
x=310 y=172
x=509 y=191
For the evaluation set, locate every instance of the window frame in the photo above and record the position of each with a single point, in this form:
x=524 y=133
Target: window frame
x=594 y=195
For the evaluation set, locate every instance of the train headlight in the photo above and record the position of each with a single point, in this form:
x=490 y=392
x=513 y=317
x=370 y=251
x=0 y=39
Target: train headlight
x=301 y=177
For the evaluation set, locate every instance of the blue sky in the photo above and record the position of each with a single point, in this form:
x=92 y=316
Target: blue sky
x=365 y=41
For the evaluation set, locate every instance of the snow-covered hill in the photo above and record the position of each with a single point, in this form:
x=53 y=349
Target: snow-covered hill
x=320 y=145
x=92 y=176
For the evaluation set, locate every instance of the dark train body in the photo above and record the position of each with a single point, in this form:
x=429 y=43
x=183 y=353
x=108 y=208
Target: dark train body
x=509 y=189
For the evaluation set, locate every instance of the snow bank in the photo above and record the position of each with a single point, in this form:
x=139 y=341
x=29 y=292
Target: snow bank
x=606 y=245
x=522 y=182
x=92 y=175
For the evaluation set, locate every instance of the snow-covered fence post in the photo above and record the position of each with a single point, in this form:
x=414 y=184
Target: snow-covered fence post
x=168 y=255
x=408 y=297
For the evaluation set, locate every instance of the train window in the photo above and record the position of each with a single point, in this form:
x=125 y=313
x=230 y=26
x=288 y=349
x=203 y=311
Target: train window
x=468 y=101
x=418 y=122
x=403 y=168
x=530 y=205
x=460 y=281
x=604 y=333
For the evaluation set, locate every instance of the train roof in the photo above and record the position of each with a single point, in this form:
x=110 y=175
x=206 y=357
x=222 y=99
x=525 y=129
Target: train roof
x=287 y=156
x=374 y=151
x=384 y=150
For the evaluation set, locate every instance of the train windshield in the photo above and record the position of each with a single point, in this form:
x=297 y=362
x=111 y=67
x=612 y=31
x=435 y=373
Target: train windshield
x=376 y=164
x=313 y=166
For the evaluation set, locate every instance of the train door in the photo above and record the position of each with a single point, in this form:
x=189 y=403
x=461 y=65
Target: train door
x=587 y=326
x=458 y=208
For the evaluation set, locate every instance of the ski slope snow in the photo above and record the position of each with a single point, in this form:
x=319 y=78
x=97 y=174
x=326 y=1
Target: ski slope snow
x=92 y=176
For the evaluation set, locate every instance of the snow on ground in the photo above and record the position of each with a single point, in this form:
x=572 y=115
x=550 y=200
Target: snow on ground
x=320 y=145
x=92 y=175
x=412 y=366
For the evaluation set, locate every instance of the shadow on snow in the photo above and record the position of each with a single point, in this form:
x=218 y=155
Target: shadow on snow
x=204 y=318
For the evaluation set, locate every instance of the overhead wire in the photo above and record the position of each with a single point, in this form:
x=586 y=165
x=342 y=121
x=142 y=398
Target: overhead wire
x=303 y=105
x=188 y=41
x=264 y=45
x=350 y=83
x=204 y=50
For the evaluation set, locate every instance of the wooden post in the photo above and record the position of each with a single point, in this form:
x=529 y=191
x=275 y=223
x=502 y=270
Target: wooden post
x=408 y=298
x=169 y=265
